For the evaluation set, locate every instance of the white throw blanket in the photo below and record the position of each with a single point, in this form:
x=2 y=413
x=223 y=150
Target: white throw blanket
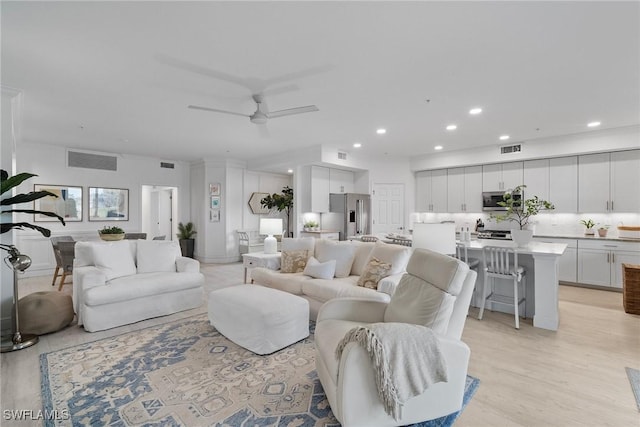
x=406 y=359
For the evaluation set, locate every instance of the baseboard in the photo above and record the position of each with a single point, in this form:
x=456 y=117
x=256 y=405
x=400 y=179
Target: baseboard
x=219 y=260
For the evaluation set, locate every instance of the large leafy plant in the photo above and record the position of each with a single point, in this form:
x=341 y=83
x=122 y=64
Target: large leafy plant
x=8 y=183
x=280 y=202
x=186 y=231
x=519 y=209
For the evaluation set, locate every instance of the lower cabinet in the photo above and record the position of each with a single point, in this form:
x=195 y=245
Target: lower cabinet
x=568 y=262
x=600 y=262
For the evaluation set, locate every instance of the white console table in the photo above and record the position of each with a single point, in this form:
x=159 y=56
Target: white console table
x=541 y=261
x=260 y=259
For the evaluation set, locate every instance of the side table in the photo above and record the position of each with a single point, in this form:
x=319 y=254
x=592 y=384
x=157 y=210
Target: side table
x=260 y=259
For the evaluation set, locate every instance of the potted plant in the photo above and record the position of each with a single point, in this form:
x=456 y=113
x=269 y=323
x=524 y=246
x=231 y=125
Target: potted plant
x=602 y=230
x=111 y=234
x=520 y=210
x=281 y=202
x=310 y=226
x=588 y=224
x=187 y=241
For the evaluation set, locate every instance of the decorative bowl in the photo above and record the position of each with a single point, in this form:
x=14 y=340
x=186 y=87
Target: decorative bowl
x=111 y=237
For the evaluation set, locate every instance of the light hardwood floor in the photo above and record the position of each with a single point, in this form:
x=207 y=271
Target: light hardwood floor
x=529 y=377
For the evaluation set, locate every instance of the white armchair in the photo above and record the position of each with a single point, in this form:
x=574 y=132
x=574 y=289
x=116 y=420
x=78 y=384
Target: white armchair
x=435 y=292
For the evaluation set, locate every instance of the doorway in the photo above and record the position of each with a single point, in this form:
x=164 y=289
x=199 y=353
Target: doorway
x=388 y=208
x=159 y=208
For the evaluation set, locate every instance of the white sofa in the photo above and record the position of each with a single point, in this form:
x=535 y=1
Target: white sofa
x=117 y=283
x=351 y=257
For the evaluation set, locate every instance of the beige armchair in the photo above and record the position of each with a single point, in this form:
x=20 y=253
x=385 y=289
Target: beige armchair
x=435 y=292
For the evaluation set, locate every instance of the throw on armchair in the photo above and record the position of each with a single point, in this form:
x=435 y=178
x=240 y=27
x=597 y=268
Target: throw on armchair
x=435 y=292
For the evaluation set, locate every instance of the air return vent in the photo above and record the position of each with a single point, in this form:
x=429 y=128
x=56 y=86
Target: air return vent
x=511 y=149
x=77 y=159
x=167 y=165
x=342 y=156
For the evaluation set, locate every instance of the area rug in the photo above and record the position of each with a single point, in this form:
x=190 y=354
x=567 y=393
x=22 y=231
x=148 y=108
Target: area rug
x=186 y=373
x=634 y=379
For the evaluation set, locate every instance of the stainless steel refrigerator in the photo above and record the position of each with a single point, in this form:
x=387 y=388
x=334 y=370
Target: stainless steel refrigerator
x=349 y=213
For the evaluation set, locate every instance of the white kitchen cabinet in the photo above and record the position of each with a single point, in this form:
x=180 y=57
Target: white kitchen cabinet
x=608 y=182
x=563 y=184
x=600 y=262
x=431 y=191
x=568 y=262
x=319 y=189
x=464 y=189
x=340 y=181
x=536 y=178
x=502 y=176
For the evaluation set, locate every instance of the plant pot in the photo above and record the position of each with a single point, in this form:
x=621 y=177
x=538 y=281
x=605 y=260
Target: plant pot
x=111 y=237
x=187 y=246
x=589 y=232
x=521 y=237
x=602 y=232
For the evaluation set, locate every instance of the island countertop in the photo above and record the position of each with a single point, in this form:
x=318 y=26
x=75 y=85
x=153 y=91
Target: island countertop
x=533 y=248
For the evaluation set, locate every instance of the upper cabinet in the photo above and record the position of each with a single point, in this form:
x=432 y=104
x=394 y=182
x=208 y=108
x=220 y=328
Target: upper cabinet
x=555 y=180
x=503 y=176
x=608 y=182
x=431 y=191
x=340 y=181
x=464 y=189
x=321 y=181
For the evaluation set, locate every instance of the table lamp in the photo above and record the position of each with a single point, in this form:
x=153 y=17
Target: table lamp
x=270 y=226
x=436 y=237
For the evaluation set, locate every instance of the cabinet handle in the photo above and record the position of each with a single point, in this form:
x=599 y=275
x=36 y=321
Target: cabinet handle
x=612 y=206
x=613 y=258
x=608 y=258
x=607 y=206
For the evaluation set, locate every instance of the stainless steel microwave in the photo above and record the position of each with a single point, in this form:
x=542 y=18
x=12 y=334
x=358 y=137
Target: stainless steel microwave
x=490 y=200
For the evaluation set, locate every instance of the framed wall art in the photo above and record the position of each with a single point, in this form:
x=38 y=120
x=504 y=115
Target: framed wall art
x=215 y=202
x=215 y=215
x=214 y=189
x=108 y=204
x=68 y=203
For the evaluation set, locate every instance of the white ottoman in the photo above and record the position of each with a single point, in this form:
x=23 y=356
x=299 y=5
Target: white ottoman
x=259 y=319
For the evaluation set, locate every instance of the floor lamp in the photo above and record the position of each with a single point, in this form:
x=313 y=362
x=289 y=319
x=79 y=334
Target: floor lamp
x=18 y=263
x=270 y=226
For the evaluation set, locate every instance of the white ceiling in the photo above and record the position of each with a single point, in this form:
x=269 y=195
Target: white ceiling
x=118 y=77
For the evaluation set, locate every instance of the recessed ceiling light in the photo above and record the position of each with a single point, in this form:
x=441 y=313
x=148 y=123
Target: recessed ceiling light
x=593 y=124
x=438 y=147
x=357 y=145
x=504 y=137
x=381 y=131
x=476 y=110
x=452 y=127
x=289 y=170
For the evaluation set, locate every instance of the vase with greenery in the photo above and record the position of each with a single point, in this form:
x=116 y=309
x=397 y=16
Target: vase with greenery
x=186 y=233
x=111 y=233
x=280 y=202
x=520 y=210
x=603 y=229
x=310 y=225
x=588 y=226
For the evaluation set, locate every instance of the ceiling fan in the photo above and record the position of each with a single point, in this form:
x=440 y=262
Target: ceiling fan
x=261 y=115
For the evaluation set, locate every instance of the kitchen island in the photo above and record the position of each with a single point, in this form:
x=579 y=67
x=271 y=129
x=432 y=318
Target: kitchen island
x=540 y=260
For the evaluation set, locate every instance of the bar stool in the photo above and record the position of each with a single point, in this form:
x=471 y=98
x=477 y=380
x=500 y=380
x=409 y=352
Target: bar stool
x=502 y=263
x=462 y=255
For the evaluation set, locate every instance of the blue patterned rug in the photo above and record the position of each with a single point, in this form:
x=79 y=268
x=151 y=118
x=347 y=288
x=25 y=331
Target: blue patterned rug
x=186 y=373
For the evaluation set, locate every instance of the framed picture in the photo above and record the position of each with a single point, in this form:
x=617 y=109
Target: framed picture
x=215 y=202
x=255 y=205
x=108 y=204
x=215 y=215
x=214 y=189
x=68 y=203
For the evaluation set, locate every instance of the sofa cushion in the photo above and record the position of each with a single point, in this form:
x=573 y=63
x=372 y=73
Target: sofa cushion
x=114 y=259
x=373 y=273
x=157 y=255
x=361 y=256
x=343 y=254
x=84 y=253
x=396 y=255
x=320 y=270
x=140 y=286
x=288 y=282
x=419 y=301
x=324 y=290
x=294 y=261
x=298 y=243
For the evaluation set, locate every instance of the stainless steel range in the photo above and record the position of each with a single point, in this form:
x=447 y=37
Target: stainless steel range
x=494 y=234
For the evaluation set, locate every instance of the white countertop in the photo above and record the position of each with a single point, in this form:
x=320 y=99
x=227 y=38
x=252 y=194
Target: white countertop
x=532 y=248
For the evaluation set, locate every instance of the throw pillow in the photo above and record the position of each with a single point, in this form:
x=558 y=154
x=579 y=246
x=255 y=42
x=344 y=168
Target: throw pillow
x=342 y=253
x=373 y=272
x=293 y=261
x=320 y=270
x=156 y=255
x=396 y=255
x=114 y=259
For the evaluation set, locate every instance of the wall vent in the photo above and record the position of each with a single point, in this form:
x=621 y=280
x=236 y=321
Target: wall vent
x=511 y=149
x=342 y=156
x=77 y=159
x=167 y=165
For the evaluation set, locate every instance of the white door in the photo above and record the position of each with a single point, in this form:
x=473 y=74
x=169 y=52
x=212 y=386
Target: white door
x=387 y=204
x=164 y=213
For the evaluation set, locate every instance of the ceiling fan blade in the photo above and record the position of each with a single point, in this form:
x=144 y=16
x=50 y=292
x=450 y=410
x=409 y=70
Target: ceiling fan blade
x=291 y=111
x=215 y=110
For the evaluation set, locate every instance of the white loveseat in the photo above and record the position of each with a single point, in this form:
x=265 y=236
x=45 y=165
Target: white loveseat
x=352 y=260
x=117 y=283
